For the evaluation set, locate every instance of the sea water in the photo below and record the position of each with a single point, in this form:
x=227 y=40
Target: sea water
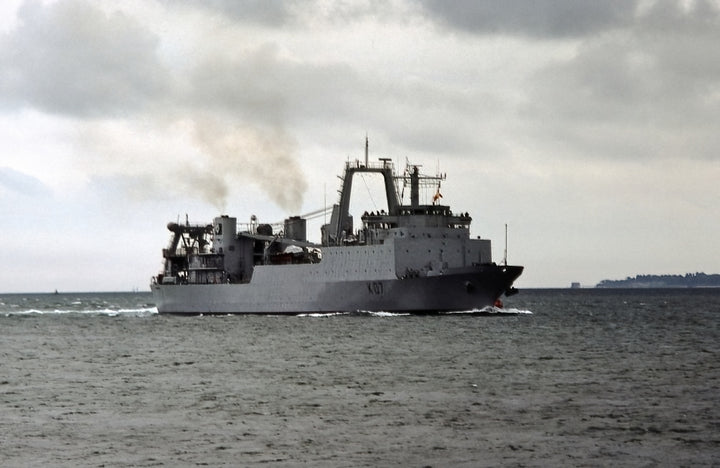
x=568 y=378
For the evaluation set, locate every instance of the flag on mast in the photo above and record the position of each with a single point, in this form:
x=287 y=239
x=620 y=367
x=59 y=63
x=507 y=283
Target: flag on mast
x=437 y=195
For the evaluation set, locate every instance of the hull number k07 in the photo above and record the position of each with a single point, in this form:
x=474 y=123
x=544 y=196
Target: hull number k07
x=375 y=287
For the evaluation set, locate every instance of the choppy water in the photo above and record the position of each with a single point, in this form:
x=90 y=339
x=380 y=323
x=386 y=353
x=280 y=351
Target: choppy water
x=589 y=378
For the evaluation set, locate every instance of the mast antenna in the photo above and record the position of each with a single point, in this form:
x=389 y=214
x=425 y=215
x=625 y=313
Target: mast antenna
x=505 y=256
x=366 y=150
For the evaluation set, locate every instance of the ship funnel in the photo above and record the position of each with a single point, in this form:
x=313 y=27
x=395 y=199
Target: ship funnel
x=296 y=228
x=224 y=229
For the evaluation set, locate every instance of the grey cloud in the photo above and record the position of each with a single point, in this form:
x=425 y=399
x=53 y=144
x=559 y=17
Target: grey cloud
x=21 y=183
x=91 y=64
x=296 y=13
x=253 y=84
x=70 y=58
x=682 y=45
x=636 y=60
x=647 y=91
x=537 y=18
x=267 y=12
x=262 y=87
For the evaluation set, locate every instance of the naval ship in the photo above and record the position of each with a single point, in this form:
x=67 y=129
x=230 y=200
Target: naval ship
x=412 y=258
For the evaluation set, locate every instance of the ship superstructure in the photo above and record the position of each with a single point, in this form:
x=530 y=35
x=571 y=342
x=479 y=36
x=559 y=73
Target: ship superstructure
x=411 y=258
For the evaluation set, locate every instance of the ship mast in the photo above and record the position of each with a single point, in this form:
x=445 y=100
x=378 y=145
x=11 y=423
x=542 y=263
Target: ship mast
x=341 y=220
x=418 y=180
x=366 y=150
x=505 y=254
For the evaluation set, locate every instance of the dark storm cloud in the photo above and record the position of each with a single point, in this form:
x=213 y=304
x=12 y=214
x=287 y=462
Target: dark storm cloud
x=537 y=18
x=70 y=58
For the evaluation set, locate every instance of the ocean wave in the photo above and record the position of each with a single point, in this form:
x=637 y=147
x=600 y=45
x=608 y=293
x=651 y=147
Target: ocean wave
x=322 y=314
x=381 y=313
x=492 y=310
x=488 y=310
x=106 y=312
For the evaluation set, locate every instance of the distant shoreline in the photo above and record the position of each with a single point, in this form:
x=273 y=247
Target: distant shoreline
x=689 y=280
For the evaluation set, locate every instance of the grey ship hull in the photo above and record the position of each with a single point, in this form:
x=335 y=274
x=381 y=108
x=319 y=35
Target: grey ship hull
x=413 y=258
x=460 y=289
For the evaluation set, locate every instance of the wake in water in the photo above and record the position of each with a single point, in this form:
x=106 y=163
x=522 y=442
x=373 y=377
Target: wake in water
x=108 y=312
x=140 y=305
x=107 y=304
x=491 y=310
x=485 y=311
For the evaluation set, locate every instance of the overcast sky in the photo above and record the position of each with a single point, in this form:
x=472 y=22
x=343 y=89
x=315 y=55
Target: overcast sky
x=591 y=128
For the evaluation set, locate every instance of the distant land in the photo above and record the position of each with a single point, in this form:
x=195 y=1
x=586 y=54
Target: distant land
x=689 y=280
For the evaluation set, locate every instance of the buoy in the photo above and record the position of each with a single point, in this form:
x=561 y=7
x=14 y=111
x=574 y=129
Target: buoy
x=498 y=303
